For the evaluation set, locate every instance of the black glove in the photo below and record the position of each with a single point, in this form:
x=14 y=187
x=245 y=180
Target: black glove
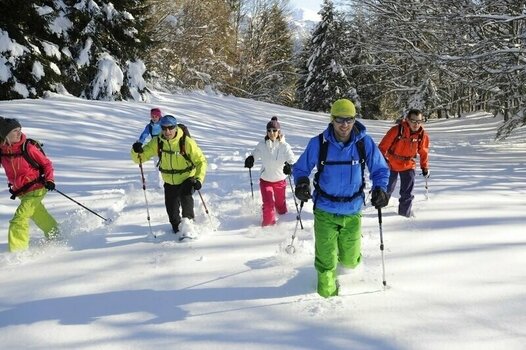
x=137 y=147
x=302 y=191
x=197 y=185
x=426 y=173
x=49 y=185
x=379 y=198
x=187 y=187
x=249 y=162
x=287 y=169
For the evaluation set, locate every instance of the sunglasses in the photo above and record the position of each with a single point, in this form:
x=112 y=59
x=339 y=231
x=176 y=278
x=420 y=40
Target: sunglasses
x=169 y=127
x=416 y=121
x=272 y=130
x=341 y=120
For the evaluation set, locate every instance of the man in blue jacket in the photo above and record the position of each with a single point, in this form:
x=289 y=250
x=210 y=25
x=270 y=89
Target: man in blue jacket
x=338 y=190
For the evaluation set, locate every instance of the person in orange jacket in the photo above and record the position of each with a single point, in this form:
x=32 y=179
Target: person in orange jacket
x=400 y=147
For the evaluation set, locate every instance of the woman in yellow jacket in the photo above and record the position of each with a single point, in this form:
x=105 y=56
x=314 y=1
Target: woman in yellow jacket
x=183 y=168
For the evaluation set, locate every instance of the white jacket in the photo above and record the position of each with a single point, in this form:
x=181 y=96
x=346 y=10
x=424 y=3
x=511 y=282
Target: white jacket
x=273 y=155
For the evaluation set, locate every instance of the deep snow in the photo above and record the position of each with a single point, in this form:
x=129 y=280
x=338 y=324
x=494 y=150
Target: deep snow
x=455 y=273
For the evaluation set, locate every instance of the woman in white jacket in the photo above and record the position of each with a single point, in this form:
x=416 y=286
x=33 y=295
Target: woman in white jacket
x=274 y=152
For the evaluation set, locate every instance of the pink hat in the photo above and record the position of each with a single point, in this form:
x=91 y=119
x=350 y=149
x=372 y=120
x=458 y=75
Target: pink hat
x=156 y=112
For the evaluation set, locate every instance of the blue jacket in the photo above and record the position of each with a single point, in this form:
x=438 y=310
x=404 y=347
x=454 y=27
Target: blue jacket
x=152 y=129
x=342 y=180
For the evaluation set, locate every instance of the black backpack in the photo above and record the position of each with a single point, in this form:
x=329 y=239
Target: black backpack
x=26 y=155
x=182 y=151
x=322 y=161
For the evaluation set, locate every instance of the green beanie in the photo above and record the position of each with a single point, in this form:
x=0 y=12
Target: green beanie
x=343 y=108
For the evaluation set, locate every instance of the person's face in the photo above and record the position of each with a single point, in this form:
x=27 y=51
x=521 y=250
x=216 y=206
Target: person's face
x=169 y=132
x=272 y=133
x=415 y=121
x=14 y=136
x=343 y=127
x=155 y=118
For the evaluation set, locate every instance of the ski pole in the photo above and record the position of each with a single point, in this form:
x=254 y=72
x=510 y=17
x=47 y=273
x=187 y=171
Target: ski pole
x=427 y=189
x=83 y=206
x=298 y=217
x=382 y=245
x=145 y=197
x=251 y=184
x=290 y=248
x=204 y=206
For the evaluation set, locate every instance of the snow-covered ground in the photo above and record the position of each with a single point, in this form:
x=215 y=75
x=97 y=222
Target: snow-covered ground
x=455 y=274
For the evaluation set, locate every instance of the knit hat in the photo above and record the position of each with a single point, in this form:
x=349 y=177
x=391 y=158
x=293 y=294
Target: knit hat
x=156 y=112
x=7 y=125
x=273 y=124
x=168 y=120
x=343 y=108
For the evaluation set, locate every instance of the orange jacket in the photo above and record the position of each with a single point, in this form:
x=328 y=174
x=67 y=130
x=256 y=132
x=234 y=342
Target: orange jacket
x=401 y=150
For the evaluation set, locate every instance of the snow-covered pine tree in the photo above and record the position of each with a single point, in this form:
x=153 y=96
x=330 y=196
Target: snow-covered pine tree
x=32 y=46
x=107 y=45
x=326 y=78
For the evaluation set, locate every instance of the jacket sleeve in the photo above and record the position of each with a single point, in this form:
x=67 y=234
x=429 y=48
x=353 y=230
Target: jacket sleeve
x=423 y=151
x=144 y=134
x=388 y=140
x=150 y=150
x=307 y=160
x=378 y=169
x=42 y=160
x=198 y=158
x=256 y=153
x=290 y=158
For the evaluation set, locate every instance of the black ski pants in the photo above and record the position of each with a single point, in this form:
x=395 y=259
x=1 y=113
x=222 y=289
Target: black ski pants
x=176 y=196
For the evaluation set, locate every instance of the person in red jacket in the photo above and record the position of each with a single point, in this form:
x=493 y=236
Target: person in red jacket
x=27 y=183
x=400 y=147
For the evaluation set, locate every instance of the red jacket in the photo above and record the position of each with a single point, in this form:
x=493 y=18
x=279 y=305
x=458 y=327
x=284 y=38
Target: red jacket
x=401 y=151
x=18 y=171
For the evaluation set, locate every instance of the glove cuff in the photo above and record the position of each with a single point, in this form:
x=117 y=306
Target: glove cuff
x=302 y=181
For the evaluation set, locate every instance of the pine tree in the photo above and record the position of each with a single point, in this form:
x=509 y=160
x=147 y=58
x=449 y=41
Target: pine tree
x=107 y=45
x=326 y=78
x=32 y=67
x=268 y=72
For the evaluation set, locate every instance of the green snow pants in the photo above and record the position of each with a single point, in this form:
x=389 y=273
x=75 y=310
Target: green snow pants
x=30 y=207
x=337 y=239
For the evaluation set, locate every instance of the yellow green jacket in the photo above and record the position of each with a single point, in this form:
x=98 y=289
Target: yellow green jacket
x=173 y=166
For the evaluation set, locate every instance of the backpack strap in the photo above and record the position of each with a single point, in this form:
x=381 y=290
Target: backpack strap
x=28 y=158
x=400 y=136
x=322 y=161
x=182 y=151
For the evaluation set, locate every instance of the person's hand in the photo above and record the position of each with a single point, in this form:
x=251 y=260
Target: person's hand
x=379 y=198
x=426 y=173
x=249 y=162
x=49 y=185
x=137 y=147
x=302 y=191
x=197 y=184
x=287 y=169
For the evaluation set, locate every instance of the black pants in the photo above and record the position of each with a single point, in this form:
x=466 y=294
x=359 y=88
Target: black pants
x=407 y=182
x=176 y=196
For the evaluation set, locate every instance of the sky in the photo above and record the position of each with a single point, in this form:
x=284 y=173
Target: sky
x=455 y=272
x=310 y=8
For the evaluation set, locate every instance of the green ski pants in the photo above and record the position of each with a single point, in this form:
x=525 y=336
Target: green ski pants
x=30 y=207
x=337 y=239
